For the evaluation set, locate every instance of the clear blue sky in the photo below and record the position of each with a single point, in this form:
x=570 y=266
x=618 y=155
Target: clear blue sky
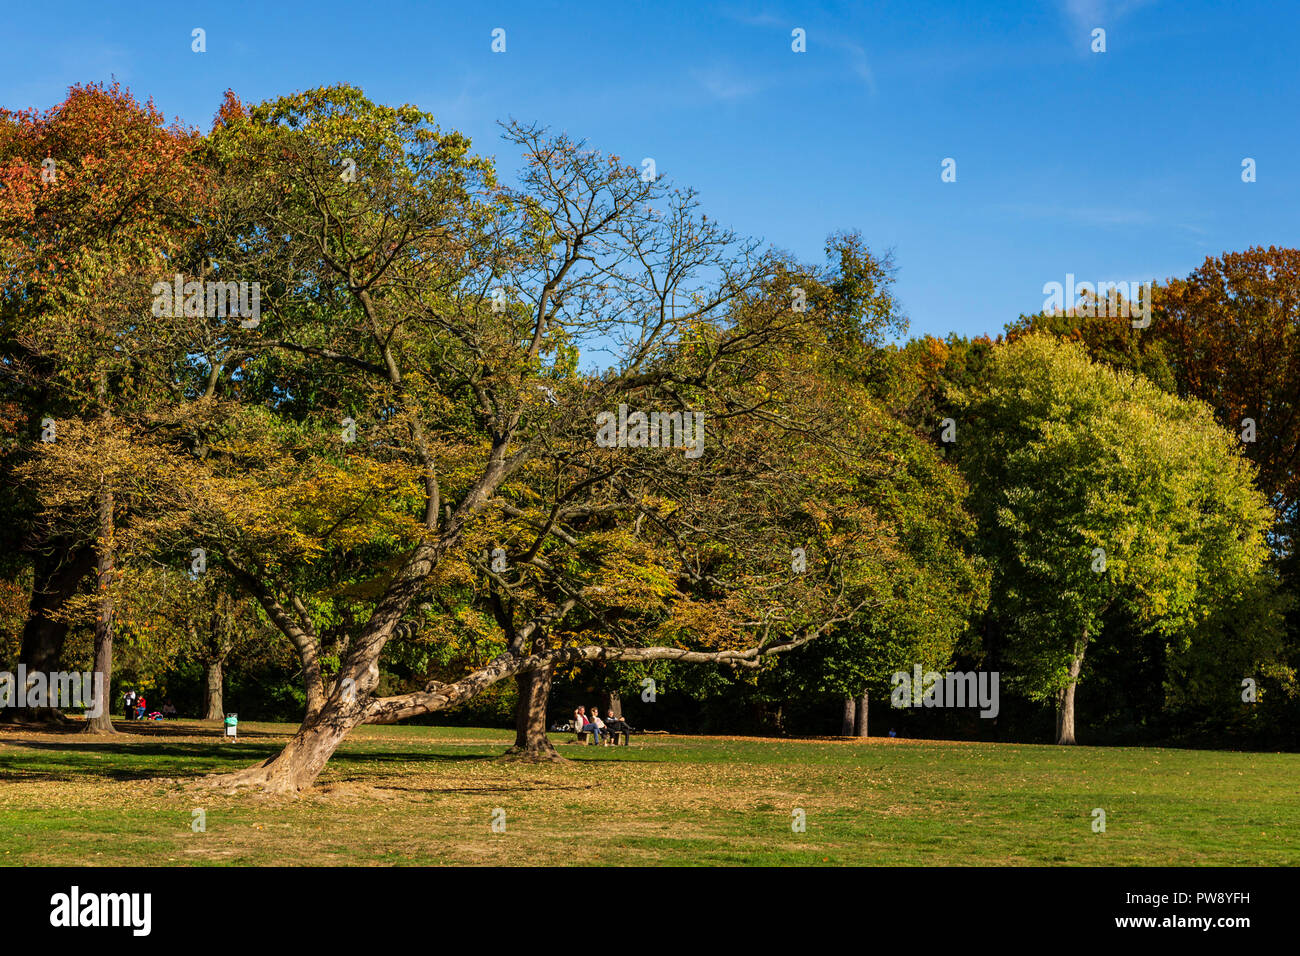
x=1114 y=166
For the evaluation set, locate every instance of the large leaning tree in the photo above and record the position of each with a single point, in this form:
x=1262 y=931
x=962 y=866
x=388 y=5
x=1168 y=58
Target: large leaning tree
x=444 y=406
x=1095 y=489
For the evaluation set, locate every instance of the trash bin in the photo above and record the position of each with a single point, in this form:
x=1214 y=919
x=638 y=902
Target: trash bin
x=232 y=725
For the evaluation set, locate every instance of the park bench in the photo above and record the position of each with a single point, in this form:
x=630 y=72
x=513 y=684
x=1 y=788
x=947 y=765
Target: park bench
x=580 y=737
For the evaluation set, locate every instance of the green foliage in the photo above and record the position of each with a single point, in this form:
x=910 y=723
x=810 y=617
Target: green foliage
x=1067 y=456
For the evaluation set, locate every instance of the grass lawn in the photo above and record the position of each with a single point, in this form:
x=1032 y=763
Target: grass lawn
x=427 y=795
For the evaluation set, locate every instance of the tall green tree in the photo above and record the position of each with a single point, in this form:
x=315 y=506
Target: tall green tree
x=1095 y=488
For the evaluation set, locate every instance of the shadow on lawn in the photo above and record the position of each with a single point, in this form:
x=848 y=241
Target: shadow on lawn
x=172 y=760
x=131 y=728
x=362 y=756
x=178 y=760
x=507 y=788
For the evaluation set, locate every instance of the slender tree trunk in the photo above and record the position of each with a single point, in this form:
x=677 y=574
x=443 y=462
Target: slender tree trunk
x=212 y=697
x=313 y=679
x=846 y=724
x=861 y=729
x=1065 y=699
x=300 y=634
x=531 y=742
x=103 y=724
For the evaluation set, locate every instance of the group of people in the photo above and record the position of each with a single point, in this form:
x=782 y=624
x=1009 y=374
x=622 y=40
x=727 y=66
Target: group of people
x=136 y=707
x=603 y=732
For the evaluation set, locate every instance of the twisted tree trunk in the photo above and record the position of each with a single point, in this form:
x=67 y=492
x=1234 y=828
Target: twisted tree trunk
x=304 y=757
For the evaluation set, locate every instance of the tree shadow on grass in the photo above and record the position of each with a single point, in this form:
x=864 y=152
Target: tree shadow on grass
x=362 y=756
x=216 y=731
x=509 y=788
x=174 y=760
x=132 y=728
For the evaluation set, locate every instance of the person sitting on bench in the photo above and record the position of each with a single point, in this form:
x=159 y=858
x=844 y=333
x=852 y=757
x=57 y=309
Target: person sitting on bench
x=600 y=726
x=617 y=725
x=583 y=725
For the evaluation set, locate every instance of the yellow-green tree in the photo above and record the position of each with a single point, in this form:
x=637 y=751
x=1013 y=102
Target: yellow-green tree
x=1095 y=488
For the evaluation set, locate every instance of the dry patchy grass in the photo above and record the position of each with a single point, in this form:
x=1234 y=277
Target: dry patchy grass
x=427 y=795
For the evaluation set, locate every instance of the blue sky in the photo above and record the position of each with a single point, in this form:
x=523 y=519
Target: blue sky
x=1118 y=166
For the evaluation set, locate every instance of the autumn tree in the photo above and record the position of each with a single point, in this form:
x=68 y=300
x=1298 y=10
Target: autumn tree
x=97 y=192
x=430 y=323
x=1233 y=328
x=199 y=615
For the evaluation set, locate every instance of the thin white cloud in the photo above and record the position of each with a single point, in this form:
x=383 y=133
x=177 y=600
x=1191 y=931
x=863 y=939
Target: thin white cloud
x=857 y=56
x=858 y=62
x=724 y=84
x=1086 y=215
x=754 y=19
x=1084 y=15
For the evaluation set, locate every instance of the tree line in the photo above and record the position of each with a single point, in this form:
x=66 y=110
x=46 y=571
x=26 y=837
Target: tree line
x=316 y=394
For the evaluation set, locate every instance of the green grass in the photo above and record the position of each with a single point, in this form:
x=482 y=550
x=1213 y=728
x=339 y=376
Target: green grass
x=425 y=795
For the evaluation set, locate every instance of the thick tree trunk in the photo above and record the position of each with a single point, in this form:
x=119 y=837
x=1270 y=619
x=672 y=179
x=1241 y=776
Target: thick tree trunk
x=103 y=724
x=1065 y=700
x=212 y=698
x=59 y=570
x=612 y=704
x=531 y=742
x=861 y=728
x=297 y=766
x=846 y=724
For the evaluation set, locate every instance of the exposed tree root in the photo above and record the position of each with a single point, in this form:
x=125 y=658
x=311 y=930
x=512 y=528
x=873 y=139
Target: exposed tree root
x=261 y=778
